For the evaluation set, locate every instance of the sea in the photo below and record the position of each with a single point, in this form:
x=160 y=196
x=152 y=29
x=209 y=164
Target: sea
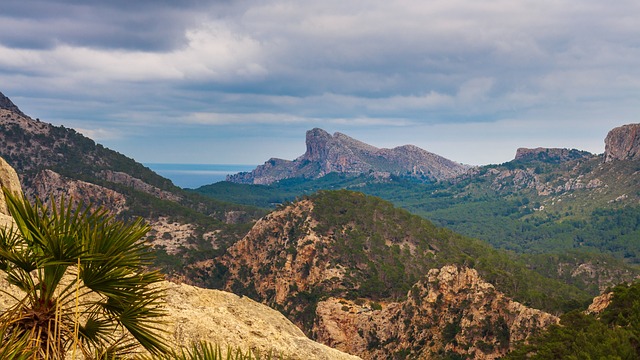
x=192 y=176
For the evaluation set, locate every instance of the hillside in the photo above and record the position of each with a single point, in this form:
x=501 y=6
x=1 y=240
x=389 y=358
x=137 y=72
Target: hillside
x=575 y=215
x=342 y=154
x=54 y=161
x=338 y=258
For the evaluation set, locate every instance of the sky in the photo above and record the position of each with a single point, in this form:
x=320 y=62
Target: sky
x=239 y=82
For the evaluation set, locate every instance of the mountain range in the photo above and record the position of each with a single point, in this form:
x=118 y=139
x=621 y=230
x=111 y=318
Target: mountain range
x=376 y=278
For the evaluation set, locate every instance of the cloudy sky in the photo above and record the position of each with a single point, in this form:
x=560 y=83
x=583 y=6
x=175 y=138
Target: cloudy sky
x=198 y=81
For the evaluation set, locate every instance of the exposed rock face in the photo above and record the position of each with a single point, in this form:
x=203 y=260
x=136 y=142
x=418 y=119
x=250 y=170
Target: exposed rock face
x=8 y=179
x=452 y=311
x=227 y=319
x=623 y=143
x=119 y=177
x=340 y=153
x=553 y=156
x=600 y=303
x=49 y=183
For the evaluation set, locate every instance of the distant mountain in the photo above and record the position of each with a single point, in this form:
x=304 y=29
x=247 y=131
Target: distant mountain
x=342 y=154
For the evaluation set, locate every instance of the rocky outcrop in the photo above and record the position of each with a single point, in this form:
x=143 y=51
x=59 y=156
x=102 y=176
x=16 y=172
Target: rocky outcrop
x=49 y=184
x=550 y=155
x=600 y=303
x=452 y=311
x=9 y=180
x=342 y=154
x=225 y=319
x=122 y=178
x=623 y=143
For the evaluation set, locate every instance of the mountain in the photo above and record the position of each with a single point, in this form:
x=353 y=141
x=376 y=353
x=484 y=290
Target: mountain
x=54 y=161
x=373 y=280
x=342 y=154
x=569 y=214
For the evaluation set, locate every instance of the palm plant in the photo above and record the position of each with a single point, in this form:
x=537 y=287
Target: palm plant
x=83 y=279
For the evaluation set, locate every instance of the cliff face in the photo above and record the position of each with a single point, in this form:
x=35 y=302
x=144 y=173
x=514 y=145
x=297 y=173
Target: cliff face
x=340 y=153
x=623 y=143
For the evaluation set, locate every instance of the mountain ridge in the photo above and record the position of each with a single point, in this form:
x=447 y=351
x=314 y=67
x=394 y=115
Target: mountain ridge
x=343 y=154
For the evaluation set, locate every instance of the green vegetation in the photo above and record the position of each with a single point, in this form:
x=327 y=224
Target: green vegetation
x=596 y=219
x=386 y=250
x=613 y=334
x=207 y=351
x=84 y=282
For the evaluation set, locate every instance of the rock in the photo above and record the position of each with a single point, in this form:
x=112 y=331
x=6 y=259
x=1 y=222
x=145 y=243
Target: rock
x=600 y=303
x=342 y=154
x=8 y=179
x=49 y=184
x=623 y=143
x=125 y=179
x=453 y=310
x=227 y=319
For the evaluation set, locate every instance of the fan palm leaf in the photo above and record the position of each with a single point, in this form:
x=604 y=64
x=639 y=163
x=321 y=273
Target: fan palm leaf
x=77 y=265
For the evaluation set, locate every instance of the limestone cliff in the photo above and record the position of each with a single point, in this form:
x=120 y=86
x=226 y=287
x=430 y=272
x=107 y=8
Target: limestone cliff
x=340 y=153
x=623 y=143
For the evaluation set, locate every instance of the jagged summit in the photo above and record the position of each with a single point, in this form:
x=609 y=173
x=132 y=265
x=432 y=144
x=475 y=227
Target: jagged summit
x=340 y=153
x=7 y=104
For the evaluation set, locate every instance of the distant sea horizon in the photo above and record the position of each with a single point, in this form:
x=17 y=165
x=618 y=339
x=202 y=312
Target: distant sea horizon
x=192 y=176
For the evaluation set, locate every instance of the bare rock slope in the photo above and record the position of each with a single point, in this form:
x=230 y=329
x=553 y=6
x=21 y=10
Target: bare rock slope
x=623 y=143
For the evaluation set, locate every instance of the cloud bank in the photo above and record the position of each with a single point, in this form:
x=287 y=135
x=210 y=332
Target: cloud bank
x=231 y=81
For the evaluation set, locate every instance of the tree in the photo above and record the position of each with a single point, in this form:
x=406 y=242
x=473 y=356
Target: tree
x=83 y=280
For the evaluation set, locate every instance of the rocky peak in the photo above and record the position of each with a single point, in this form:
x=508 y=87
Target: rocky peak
x=317 y=141
x=7 y=104
x=623 y=143
x=343 y=154
x=550 y=155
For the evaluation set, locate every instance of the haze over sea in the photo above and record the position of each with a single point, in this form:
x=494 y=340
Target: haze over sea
x=195 y=175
